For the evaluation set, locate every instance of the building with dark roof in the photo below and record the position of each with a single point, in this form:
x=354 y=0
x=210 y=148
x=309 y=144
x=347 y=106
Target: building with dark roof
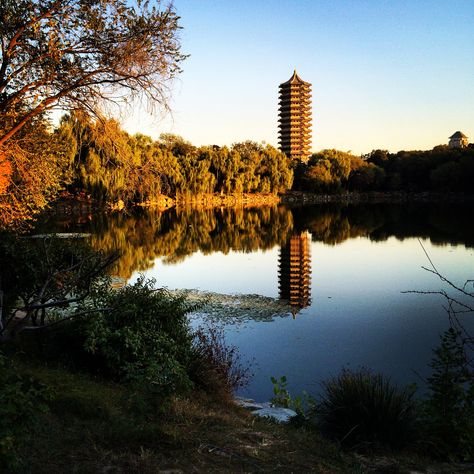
x=458 y=140
x=295 y=118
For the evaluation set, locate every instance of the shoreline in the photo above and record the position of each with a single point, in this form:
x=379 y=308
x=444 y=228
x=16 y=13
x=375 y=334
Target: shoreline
x=300 y=197
x=78 y=205
x=227 y=200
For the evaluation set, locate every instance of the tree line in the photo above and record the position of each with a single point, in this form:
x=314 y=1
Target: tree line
x=112 y=165
x=441 y=169
x=96 y=158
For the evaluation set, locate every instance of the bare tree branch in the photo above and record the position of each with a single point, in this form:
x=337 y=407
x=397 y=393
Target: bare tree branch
x=75 y=54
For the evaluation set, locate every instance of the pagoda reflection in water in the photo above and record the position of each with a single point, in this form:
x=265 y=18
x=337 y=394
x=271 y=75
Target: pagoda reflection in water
x=295 y=271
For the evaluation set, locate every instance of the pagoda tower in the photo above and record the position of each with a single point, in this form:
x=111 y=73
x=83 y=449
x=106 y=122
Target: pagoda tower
x=294 y=276
x=295 y=118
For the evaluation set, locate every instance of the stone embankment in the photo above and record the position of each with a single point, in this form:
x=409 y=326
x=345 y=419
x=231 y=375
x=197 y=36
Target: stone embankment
x=298 y=197
x=84 y=206
x=227 y=200
x=161 y=202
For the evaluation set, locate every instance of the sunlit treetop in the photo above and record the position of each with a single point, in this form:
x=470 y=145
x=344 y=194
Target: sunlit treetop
x=80 y=54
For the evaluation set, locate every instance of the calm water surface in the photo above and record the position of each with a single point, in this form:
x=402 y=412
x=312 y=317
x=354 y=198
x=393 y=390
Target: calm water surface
x=344 y=267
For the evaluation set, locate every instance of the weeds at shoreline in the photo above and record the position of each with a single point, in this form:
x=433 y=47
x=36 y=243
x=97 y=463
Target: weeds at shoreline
x=216 y=364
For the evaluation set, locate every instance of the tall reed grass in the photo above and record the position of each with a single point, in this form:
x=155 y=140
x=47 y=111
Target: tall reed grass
x=365 y=409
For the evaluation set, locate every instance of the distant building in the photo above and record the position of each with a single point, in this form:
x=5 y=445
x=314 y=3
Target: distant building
x=295 y=271
x=295 y=118
x=458 y=140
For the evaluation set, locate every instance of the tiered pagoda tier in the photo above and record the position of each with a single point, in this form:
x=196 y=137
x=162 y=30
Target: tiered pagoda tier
x=295 y=118
x=295 y=271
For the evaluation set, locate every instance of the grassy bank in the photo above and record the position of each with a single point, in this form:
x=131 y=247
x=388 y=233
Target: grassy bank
x=93 y=426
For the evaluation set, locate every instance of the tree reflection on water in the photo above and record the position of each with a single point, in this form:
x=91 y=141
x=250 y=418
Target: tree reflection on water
x=172 y=235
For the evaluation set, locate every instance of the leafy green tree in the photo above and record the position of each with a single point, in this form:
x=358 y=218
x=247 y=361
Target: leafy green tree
x=377 y=157
x=248 y=180
x=198 y=178
x=446 y=176
x=456 y=175
x=176 y=144
x=112 y=165
x=262 y=168
x=318 y=176
x=225 y=167
x=279 y=172
x=367 y=178
x=326 y=171
x=171 y=176
x=104 y=163
x=340 y=163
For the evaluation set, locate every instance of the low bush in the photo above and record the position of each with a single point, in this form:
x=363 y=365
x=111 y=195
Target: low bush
x=142 y=337
x=136 y=335
x=21 y=400
x=42 y=275
x=302 y=404
x=362 y=409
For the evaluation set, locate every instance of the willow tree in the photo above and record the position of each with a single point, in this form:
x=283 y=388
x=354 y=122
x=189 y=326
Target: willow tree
x=81 y=54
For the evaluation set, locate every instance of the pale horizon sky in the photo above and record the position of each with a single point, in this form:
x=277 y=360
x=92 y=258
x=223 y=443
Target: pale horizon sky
x=385 y=74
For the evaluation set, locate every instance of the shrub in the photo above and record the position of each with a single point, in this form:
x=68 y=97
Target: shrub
x=142 y=336
x=21 y=400
x=362 y=408
x=217 y=365
x=43 y=274
x=449 y=409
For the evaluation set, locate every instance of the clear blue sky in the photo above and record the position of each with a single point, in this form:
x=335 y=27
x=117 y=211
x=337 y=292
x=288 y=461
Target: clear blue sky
x=385 y=74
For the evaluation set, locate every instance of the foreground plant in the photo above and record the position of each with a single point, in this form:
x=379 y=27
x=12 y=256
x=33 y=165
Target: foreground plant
x=361 y=409
x=141 y=336
x=217 y=364
x=302 y=404
x=448 y=411
x=41 y=274
x=22 y=399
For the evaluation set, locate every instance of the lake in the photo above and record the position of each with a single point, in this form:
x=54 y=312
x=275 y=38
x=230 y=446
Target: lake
x=342 y=270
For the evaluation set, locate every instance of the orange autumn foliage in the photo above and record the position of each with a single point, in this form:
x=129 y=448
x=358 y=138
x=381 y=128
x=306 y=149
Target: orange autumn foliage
x=5 y=174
